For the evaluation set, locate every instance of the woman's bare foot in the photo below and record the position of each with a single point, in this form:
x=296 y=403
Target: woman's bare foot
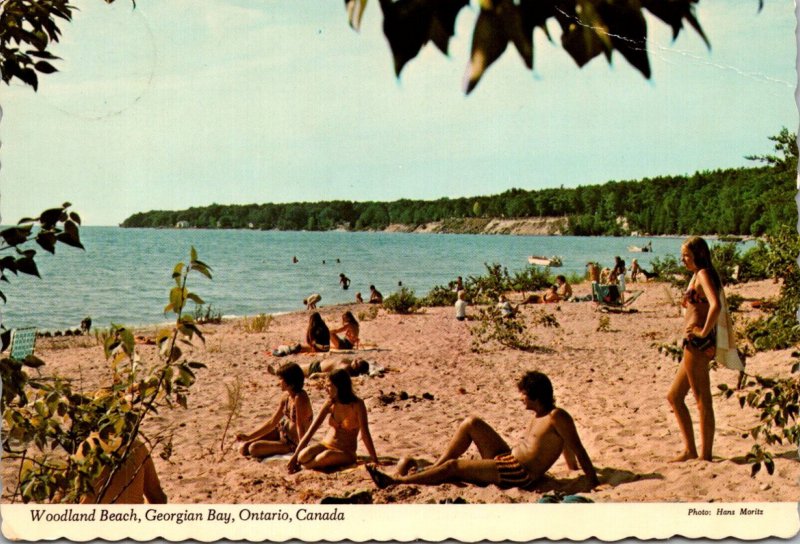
x=685 y=456
x=244 y=449
x=381 y=479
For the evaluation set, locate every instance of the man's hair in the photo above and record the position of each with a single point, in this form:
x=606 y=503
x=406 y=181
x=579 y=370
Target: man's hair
x=292 y=375
x=537 y=386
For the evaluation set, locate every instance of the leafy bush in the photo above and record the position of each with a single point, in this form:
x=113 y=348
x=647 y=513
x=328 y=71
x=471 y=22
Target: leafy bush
x=734 y=301
x=440 y=295
x=545 y=319
x=754 y=262
x=493 y=327
x=532 y=278
x=68 y=443
x=489 y=287
x=257 y=324
x=780 y=329
x=401 y=302
x=603 y=324
x=670 y=269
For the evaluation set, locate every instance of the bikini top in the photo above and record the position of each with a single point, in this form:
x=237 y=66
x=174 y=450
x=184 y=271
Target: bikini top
x=350 y=420
x=692 y=296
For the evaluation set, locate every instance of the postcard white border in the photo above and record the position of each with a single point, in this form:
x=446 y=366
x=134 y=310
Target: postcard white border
x=467 y=523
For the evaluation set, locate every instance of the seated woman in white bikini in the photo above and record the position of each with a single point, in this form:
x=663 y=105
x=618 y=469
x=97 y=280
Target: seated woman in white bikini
x=347 y=416
x=281 y=433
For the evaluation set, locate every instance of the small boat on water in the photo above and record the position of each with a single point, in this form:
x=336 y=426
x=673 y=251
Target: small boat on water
x=545 y=261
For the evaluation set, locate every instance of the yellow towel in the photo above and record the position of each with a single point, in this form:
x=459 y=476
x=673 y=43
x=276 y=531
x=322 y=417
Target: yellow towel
x=726 y=339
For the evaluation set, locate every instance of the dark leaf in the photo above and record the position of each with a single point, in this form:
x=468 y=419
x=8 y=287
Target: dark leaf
x=42 y=54
x=45 y=67
x=15 y=236
x=195 y=364
x=65 y=238
x=26 y=220
x=33 y=361
x=5 y=339
x=27 y=265
x=754 y=469
x=770 y=464
x=46 y=240
x=75 y=217
x=502 y=22
x=406 y=25
x=628 y=31
x=28 y=76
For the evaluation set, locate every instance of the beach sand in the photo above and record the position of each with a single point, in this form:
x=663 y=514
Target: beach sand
x=614 y=384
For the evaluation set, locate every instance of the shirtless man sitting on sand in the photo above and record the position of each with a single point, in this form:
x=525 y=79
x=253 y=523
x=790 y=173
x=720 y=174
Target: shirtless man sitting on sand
x=550 y=433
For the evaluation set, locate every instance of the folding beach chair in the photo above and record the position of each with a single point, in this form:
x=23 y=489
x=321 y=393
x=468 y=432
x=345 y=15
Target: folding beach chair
x=22 y=343
x=608 y=299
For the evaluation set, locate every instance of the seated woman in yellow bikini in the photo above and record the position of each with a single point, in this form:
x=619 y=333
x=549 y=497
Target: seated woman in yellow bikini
x=347 y=416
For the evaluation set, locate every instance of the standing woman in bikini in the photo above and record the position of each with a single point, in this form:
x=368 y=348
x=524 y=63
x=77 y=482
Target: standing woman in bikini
x=347 y=416
x=702 y=303
x=281 y=433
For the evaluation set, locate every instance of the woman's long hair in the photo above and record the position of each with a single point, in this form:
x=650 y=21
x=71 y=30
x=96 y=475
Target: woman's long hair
x=344 y=386
x=318 y=330
x=702 y=259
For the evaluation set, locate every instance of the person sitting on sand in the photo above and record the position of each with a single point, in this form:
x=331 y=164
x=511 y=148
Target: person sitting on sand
x=461 y=305
x=635 y=270
x=135 y=482
x=281 y=433
x=551 y=295
x=605 y=276
x=551 y=432
x=347 y=417
x=311 y=301
x=350 y=329
x=318 y=337
x=564 y=289
x=344 y=281
x=593 y=271
x=505 y=307
x=375 y=296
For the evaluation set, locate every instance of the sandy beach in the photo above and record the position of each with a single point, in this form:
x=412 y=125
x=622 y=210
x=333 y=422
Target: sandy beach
x=614 y=383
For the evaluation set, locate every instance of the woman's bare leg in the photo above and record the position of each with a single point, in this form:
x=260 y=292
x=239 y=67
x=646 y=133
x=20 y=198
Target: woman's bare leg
x=474 y=430
x=677 y=399
x=266 y=448
x=318 y=456
x=700 y=382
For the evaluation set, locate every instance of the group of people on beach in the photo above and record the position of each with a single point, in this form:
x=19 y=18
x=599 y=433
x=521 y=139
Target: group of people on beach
x=550 y=433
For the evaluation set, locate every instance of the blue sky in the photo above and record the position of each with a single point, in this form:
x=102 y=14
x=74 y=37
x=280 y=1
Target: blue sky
x=177 y=104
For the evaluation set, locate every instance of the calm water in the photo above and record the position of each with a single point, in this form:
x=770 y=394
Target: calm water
x=124 y=274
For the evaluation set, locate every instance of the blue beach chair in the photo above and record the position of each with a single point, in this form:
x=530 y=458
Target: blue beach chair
x=607 y=298
x=22 y=343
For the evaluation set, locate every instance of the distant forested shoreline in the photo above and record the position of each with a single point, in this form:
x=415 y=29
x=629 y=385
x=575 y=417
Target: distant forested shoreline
x=741 y=201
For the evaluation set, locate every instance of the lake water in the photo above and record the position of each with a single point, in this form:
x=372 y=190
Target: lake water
x=123 y=276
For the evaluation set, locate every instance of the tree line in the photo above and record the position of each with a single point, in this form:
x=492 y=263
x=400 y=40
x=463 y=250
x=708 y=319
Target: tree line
x=743 y=201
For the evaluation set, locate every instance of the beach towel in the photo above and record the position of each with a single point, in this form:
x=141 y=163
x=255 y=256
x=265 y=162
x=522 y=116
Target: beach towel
x=726 y=341
x=284 y=350
x=375 y=369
